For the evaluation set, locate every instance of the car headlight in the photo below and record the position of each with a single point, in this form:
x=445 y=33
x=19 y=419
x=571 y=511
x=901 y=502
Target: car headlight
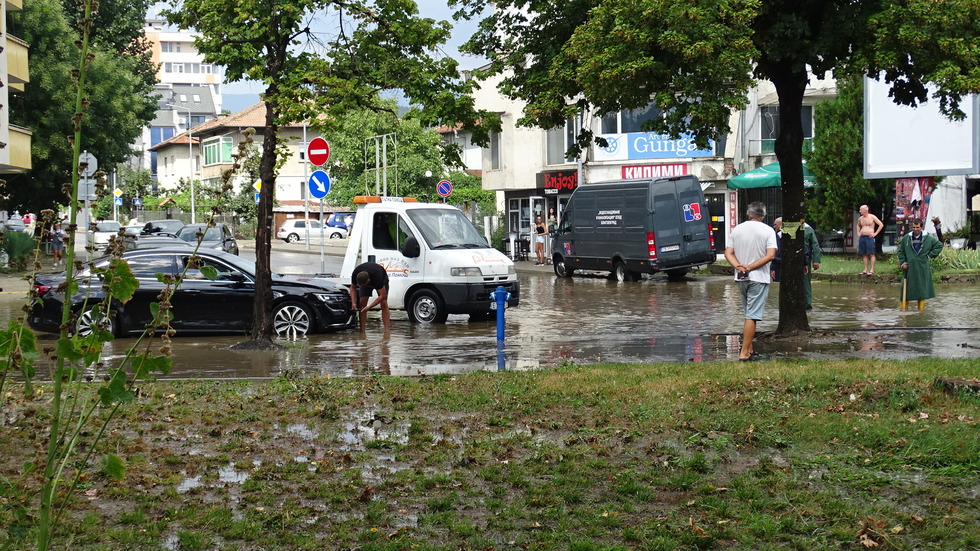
x=332 y=299
x=511 y=269
x=471 y=271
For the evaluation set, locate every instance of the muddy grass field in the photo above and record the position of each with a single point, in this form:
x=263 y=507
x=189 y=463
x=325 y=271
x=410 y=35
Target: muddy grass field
x=772 y=455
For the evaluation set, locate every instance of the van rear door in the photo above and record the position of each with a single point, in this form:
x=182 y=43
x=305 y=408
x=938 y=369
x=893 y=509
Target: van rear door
x=680 y=221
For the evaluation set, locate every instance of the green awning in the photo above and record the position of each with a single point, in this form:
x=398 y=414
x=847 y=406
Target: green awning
x=766 y=176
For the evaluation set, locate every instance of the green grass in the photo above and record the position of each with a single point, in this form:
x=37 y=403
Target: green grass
x=773 y=455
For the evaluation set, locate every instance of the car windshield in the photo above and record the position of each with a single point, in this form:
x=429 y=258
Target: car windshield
x=108 y=226
x=444 y=228
x=189 y=233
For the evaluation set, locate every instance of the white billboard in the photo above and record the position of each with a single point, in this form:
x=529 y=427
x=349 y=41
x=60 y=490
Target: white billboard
x=902 y=142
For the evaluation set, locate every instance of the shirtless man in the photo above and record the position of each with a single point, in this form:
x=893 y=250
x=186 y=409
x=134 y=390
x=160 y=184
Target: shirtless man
x=869 y=226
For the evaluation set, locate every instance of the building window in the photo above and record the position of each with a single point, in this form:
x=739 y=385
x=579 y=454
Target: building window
x=557 y=142
x=217 y=150
x=160 y=133
x=495 y=151
x=770 y=121
x=168 y=67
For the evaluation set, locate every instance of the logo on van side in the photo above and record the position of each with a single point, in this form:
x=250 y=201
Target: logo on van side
x=692 y=212
x=394 y=267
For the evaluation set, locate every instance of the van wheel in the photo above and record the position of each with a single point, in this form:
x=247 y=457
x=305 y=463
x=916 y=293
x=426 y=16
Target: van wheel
x=561 y=268
x=292 y=238
x=621 y=274
x=676 y=275
x=426 y=306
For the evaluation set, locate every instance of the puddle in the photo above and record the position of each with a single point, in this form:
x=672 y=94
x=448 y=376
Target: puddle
x=590 y=319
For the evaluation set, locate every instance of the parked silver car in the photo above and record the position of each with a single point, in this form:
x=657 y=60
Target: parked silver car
x=219 y=237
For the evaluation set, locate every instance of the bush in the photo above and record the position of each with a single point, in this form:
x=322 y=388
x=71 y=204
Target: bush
x=962 y=260
x=18 y=246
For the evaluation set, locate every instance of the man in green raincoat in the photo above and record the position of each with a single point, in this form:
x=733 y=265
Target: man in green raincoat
x=915 y=250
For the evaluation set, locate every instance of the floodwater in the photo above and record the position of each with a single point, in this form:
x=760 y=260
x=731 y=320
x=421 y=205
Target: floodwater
x=590 y=319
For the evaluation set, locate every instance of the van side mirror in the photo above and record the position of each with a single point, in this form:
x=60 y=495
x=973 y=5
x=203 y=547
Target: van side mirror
x=410 y=248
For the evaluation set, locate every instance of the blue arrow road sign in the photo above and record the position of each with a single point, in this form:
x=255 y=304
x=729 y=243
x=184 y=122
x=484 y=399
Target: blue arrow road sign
x=319 y=184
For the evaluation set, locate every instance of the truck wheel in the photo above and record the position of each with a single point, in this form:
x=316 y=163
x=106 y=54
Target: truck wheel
x=291 y=318
x=561 y=268
x=676 y=275
x=292 y=238
x=426 y=306
x=621 y=274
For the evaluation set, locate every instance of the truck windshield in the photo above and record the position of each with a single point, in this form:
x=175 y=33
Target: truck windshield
x=446 y=229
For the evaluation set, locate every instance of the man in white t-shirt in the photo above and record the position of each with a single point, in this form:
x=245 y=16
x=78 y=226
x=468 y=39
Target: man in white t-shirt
x=752 y=247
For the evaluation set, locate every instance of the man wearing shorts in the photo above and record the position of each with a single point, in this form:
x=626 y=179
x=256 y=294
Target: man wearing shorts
x=752 y=247
x=869 y=226
x=367 y=278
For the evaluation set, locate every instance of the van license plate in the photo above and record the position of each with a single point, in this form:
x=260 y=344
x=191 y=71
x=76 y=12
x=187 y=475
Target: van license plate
x=669 y=248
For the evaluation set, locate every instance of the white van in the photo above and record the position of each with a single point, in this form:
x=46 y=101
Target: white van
x=437 y=262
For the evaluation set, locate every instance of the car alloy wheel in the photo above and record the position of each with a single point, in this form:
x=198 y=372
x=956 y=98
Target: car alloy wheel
x=90 y=319
x=291 y=319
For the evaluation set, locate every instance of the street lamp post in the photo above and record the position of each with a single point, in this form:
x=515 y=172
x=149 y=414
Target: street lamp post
x=190 y=157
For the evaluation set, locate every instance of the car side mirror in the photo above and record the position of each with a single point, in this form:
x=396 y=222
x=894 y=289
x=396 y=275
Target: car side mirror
x=237 y=277
x=410 y=248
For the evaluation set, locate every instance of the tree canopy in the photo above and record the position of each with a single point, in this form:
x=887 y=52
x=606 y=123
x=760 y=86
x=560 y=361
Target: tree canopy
x=368 y=47
x=120 y=105
x=698 y=58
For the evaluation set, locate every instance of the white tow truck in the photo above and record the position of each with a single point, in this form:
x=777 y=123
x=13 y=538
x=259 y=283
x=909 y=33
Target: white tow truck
x=437 y=261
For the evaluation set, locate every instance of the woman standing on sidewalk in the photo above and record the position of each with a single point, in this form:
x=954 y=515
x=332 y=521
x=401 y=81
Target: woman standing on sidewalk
x=58 y=237
x=540 y=231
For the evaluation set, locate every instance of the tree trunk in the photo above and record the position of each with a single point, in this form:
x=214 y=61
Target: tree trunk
x=790 y=85
x=262 y=330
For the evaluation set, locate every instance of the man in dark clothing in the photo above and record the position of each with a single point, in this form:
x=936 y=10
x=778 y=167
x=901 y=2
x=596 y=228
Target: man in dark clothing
x=366 y=278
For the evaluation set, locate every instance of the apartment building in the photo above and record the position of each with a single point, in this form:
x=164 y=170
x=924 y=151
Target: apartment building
x=15 y=153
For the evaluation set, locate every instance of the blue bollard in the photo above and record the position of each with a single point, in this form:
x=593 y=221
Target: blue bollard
x=498 y=302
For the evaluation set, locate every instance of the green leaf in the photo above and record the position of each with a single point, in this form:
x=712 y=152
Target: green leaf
x=69 y=350
x=120 y=280
x=115 y=391
x=141 y=367
x=209 y=272
x=113 y=466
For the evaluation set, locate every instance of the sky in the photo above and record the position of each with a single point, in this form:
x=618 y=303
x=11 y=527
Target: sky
x=435 y=9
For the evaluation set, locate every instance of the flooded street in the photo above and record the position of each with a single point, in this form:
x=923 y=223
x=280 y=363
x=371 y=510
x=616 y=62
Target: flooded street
x=591 y=319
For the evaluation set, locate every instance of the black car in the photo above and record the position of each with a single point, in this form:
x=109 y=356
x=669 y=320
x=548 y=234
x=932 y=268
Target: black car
x=220 y=237
x=200 y=305
x=162 y=226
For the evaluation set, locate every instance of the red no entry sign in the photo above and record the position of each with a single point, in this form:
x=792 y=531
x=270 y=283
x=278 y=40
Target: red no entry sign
x=444 y=188
x=318 y=151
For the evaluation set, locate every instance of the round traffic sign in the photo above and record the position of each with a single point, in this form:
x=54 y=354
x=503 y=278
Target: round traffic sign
x=318 y=151
x=444 y=188
x=319 y=184
x=91 y=164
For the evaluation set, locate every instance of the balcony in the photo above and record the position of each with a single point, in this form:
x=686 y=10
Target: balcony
x=18 y=72
x=16 y=157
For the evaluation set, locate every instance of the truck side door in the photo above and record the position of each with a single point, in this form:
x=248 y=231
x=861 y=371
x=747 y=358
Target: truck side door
x=389 y=230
